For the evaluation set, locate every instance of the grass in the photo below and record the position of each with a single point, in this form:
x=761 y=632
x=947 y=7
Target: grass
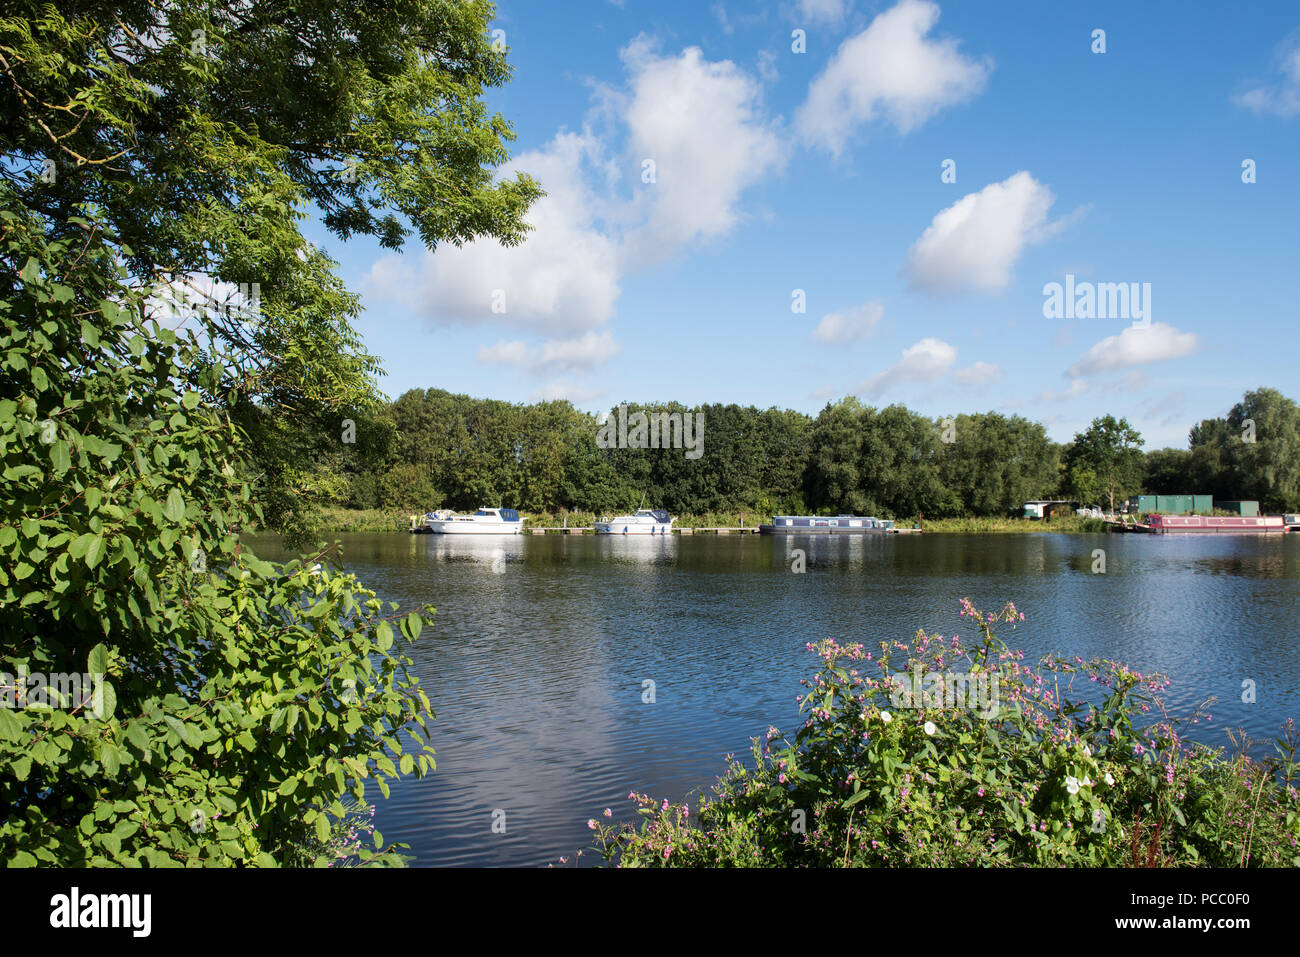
x=366 y=519
x=1067 y=524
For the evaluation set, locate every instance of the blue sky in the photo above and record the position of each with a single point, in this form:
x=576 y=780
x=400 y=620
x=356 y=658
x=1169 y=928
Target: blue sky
x=821 y=171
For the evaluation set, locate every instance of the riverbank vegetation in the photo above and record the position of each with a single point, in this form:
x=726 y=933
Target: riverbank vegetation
x=431 y=448
x=1058 y=524
x=1066 y=763
x=168 y=698
x=346 y=520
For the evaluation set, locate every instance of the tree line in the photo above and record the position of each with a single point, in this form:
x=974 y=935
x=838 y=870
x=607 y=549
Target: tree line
x=431 y=448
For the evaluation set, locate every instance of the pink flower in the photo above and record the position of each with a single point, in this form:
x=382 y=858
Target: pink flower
x=608 y=813
x=667 y=850
x=591 y=824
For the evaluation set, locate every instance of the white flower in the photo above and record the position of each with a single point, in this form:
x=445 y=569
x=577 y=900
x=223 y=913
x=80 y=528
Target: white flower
x=1072 y=784
x=1109 y=779
x=1087 y=750
x=886 y=717
x=1086 y=783
x=929 y=727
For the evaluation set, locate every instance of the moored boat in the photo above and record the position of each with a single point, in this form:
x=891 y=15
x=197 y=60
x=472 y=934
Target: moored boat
x=1240 y=524
x=827 y=525
x=486 y=521
x=644 y=521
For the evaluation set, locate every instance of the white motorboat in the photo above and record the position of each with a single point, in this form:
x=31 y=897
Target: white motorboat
x=645 y=522
x=486 y=521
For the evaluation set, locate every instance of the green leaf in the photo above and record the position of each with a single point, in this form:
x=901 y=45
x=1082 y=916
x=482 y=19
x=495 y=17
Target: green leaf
x=110 y=758
x=322 y=828
x=60 y=459
x=136 y=734
x=109 y=702
x=10 y=728
x=860 y=796
x=384 y=635
x=287 y=786
x=97 y=660
x=174 y=510
x=94 y=551
x=79 y=545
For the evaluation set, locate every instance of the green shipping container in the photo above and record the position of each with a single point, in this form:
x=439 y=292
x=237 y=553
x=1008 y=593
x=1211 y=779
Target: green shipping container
x=1173 y=504
x=1146 y=503
x=1203 y=504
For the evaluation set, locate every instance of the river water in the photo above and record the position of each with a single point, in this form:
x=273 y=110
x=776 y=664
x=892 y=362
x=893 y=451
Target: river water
x=541 y=644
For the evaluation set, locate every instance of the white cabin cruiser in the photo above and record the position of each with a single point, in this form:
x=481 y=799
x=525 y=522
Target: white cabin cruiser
x=645 y=522
x=486 y=521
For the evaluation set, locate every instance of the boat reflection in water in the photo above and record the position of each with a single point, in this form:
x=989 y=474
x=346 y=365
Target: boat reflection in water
x=493 y=553
x=637 y=549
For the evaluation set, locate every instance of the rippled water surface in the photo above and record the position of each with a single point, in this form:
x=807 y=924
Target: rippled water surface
x=541 y=643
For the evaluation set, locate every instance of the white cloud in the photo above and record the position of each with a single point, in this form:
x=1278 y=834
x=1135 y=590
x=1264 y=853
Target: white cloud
x=577 y=354
x=1170 y=409
x=1281 y=97
x=1076 y=388
x=889 y=72
x=703 y=125
x=563 y=277
x=925 y=361
x=975 y=242
x=823 y=11
x=767 y=66
x=1136 y=346
x=720 y=13
x=981 y=373
x=511 y=353
x=839 y=328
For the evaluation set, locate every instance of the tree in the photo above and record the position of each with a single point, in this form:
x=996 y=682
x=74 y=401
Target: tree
x=199 y=133
x=834 y=480
x=1264 y=438
x=995 y=464
x=1168 y=472
x=156 y=148
x=1210 y=465
x=228 y=703
x=1112 y=451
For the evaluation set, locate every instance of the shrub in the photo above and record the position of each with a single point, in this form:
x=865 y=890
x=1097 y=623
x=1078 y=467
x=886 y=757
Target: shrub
x=1036 y=774
x=238 y=701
